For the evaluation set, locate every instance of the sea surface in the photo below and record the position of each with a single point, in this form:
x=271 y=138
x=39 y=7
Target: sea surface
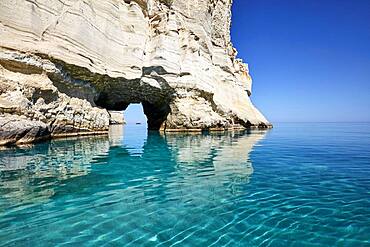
x=299 y=184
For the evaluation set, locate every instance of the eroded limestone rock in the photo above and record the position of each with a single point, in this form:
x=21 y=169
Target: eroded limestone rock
x=61 y=60
x=32 y=109
x=116 y=118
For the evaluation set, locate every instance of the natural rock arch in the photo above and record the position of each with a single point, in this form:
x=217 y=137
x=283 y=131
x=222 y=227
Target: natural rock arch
x=63 y=64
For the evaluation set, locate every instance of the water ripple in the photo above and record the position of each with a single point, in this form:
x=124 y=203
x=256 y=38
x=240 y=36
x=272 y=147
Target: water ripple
x=305 y=185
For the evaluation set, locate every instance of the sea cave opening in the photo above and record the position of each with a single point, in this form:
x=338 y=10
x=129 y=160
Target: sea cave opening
x=134 y=115
x=135 y=130
x=150 y=110
x=150 y=115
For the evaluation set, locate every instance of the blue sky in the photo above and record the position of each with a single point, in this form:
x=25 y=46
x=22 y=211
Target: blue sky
x=134 y=114
x=309 y=59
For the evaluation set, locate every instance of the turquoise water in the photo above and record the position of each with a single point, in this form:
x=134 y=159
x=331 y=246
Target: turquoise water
x=295 y=185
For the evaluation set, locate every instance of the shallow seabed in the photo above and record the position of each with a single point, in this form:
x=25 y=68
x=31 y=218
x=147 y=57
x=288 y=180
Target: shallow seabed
x=295 y=185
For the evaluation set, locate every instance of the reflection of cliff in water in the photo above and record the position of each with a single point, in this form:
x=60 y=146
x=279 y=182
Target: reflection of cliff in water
x=226 y=151
x=31 y=171
x=167 y=163
x=213 y=165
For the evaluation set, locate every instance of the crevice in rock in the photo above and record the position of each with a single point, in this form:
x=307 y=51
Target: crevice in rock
x=20 y=67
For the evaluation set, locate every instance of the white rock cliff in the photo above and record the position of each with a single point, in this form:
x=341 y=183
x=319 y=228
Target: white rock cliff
x=64 y=63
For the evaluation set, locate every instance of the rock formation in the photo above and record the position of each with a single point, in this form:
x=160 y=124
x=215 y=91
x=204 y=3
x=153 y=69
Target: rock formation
x=116 y=118
x=64 y=63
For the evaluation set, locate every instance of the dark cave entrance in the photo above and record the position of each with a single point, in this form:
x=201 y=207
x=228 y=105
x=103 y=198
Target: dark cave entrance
x=155 y=115
x=155 y=104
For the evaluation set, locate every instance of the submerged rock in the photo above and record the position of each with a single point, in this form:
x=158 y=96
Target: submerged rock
x=64 y=63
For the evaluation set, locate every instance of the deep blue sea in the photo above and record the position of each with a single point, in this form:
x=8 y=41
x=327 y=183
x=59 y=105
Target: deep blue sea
x=295 y=185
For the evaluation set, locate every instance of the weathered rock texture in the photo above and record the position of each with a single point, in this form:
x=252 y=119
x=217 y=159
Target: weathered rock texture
x=116 y=118
x=62 y=62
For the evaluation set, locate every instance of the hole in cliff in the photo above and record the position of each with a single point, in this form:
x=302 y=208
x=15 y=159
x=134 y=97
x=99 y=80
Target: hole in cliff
x=156 y=109
x=135 y=130
x=152 y=101
x=134 y=114
x=151 y=115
